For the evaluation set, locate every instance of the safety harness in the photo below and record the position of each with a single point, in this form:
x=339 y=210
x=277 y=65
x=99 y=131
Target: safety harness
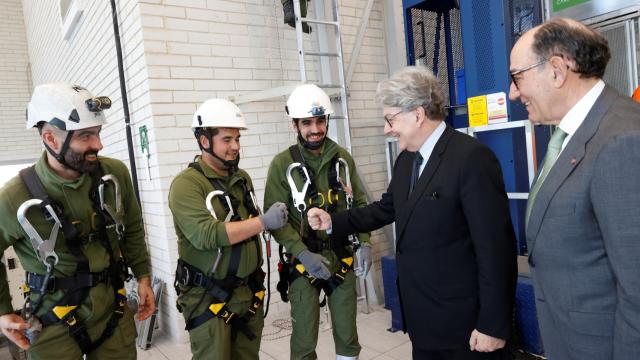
x=221 y=290
x=76 y=288
x=290 y=268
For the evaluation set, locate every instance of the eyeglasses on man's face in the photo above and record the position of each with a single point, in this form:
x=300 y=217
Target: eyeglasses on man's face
x=515 y=73
x=389 y=119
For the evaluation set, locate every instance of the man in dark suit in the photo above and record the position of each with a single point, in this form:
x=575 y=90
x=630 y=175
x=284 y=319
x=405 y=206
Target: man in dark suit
x=583 y=217
x=456 y=250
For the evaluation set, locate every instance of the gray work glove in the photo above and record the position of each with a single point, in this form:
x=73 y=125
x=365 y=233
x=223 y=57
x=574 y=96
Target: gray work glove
x=315 y=264
x=276 y=217
x=365 y=258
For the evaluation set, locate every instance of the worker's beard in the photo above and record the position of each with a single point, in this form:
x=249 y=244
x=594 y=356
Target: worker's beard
x=78 y=161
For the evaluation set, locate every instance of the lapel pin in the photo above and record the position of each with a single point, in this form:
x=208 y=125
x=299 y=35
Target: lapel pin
x=573 y=161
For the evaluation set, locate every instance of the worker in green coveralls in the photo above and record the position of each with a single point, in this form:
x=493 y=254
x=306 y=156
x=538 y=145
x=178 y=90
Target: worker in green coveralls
x=219 y=279
x=290 y=16
x=76 y=227
x=317 y=172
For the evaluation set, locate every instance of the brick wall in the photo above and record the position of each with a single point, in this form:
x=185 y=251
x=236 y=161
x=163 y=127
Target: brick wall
x=17 y=145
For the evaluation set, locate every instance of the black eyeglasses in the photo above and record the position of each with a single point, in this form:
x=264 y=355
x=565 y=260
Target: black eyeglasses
x=389 y=120
x=520 y=71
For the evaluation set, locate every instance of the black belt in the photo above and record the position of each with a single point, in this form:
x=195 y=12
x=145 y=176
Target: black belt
x=79 y=280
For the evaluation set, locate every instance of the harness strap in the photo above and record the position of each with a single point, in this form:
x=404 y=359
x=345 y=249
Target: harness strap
x=78 y=286
x=236 y=250
x=221 y=292
x=36 y=281
x=329 y=285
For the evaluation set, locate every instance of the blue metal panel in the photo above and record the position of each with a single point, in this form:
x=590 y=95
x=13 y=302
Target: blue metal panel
x=408 y=32
x=391 y=299
x=509 y=146
x=517 y=210
x=484 y=46
x=526 y=319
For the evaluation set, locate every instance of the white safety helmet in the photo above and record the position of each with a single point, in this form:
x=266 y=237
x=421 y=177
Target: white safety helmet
x=218 y=113
x=65 y=106
x=308 y=100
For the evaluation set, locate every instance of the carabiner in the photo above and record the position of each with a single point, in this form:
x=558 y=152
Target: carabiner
x=117 y=213
x=45 y=249
x=348 y=190
x=210 y=197
x=298 y=196
x=212 y=211
x=266 y=234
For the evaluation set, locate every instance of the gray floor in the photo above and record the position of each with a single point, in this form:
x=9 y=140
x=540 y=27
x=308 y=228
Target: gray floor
x=377 y=343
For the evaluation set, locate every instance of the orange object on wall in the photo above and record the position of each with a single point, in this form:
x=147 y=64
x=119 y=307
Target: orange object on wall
x=636 y=95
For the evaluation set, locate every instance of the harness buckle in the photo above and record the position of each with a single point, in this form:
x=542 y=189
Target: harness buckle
x=185 y=275
x=198 y=279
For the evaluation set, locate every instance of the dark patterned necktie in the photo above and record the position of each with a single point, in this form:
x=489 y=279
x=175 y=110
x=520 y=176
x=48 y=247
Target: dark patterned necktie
x=415 y=173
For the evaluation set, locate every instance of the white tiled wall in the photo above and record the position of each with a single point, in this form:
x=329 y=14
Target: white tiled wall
x=16 y=145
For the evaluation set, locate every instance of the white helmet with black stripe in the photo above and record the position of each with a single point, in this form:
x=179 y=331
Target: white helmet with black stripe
x=65 y=106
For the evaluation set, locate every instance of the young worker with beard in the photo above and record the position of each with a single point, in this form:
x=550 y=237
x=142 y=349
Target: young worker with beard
x=75 y=281
x=325 y=176
x=219 y=279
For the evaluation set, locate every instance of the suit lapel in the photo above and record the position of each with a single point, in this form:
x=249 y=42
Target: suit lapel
x=425 y=178
x=568 y=160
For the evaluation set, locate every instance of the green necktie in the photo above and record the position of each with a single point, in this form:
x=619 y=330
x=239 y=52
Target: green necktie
x=553 y=150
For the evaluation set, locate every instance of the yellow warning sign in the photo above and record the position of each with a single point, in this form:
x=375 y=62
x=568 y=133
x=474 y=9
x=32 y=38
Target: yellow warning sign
x=477 y=108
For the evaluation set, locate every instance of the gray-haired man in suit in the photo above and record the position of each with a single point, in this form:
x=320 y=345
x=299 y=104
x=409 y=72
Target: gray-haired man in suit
x=583 y=214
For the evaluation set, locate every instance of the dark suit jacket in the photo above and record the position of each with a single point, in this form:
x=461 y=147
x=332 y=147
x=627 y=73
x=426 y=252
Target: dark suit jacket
x=456 y=250
x=583 y=237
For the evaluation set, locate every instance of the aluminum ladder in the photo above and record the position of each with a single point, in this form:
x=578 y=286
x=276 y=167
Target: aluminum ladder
x=326 y=52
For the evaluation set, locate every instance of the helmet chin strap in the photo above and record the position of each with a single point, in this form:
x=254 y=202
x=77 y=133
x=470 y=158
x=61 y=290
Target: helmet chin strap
x=311 y=145
x=65 y=147
x=314 y=145
x=230 y=165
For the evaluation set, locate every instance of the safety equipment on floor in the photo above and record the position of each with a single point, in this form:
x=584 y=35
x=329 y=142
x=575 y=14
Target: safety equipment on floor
x=218 y=113
x=365 y=259
x=308 y=100
x=76 y=287
x=221 y=290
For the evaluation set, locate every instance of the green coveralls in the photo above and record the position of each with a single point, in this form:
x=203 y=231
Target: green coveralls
x=303 y=6
x=199 y=237
x=305 y=309
x=54 y=342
